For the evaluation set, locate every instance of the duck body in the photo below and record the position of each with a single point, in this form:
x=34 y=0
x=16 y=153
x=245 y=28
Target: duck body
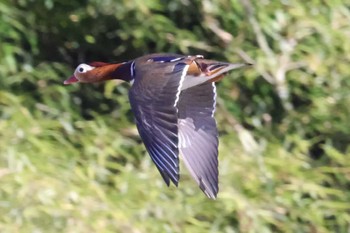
x=173 y=99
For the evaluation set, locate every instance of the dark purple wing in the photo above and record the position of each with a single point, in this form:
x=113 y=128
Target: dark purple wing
x=198 y=136
x=153 y=98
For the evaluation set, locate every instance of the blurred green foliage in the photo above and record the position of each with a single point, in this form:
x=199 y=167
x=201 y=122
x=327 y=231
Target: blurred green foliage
x=71 y=159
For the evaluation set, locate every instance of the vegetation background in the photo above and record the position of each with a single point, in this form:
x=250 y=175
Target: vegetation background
x=70 y=156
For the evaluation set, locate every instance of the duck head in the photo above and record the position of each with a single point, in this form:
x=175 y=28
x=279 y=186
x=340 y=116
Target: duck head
x=100 y=71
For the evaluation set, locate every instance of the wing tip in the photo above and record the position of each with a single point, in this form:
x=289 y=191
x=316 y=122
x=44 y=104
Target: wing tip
x=233 y=66
x=210 y=191
x=176 y=180
x=212 y=196
x=167 y=178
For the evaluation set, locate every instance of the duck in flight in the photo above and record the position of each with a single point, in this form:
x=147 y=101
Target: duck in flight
x=173 y=99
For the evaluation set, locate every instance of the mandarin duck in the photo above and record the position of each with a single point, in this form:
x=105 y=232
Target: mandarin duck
x=173 y=99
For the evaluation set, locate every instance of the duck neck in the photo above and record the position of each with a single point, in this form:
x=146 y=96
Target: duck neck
x=122 y=71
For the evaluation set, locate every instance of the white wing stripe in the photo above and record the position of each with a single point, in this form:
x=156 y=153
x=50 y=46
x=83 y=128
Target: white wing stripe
x=183 y=75
x=214 y=104
x=132 y=69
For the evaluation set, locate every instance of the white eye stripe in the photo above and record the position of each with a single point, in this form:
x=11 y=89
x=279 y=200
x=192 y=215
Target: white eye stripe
x=82 y=68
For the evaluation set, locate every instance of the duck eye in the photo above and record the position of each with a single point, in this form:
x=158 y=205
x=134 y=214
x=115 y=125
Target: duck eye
x=82 y=68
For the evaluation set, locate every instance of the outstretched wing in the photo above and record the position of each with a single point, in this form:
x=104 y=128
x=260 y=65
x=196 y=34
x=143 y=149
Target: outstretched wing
x=153 y=98
x=198 y=136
